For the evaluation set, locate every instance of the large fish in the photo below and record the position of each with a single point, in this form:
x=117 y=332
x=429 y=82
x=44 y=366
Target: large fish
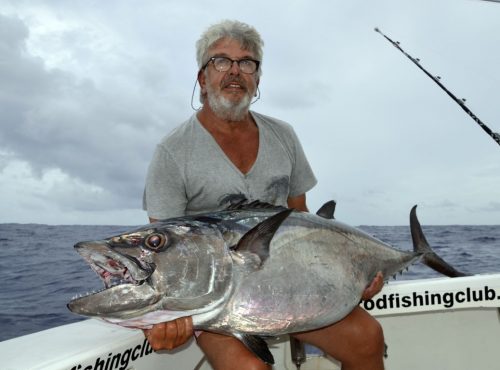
x=250 y=271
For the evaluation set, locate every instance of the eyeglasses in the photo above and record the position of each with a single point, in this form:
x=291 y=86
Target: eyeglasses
x=224 y=64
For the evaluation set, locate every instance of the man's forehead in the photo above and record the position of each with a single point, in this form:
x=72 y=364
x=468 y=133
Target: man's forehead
x=227 y=46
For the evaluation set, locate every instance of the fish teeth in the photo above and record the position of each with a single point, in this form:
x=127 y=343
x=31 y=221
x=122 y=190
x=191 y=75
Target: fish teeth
x=82 y=295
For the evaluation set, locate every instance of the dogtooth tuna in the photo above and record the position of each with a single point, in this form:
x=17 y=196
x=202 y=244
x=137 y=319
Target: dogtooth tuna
x=251 y=271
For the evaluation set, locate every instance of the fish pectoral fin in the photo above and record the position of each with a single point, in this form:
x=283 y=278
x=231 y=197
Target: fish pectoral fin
x=257 y=240
x=257 y=346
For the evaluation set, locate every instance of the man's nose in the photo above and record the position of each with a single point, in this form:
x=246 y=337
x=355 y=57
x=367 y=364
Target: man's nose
x=235 y=67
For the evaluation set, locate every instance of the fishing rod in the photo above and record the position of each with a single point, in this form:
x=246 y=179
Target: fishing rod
x=461 y=102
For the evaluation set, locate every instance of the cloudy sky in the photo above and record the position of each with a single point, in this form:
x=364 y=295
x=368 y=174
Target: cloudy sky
x=88 y=88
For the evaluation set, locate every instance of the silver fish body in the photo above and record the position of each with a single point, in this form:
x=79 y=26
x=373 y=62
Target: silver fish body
x=247 y=271
x=315 y=275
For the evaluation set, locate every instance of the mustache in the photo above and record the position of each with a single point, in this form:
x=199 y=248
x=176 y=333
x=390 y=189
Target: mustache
x=234 y=79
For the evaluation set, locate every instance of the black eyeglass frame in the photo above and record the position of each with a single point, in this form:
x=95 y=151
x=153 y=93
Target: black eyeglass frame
x=238 y=61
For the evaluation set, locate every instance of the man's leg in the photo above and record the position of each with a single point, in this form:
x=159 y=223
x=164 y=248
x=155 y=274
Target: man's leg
x=357 y=341
x=228 y=353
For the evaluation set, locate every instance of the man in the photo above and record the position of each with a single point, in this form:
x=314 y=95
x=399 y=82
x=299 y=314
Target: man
x=226 y=152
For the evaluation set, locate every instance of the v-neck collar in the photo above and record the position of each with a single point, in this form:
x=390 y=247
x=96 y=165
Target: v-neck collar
x=226 y=158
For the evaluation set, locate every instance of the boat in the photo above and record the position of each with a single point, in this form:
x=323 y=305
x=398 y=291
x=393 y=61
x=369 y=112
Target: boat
x=436 y=323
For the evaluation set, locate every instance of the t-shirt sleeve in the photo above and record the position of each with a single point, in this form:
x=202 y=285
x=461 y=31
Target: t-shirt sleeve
x=302 y=178
x=164 y=193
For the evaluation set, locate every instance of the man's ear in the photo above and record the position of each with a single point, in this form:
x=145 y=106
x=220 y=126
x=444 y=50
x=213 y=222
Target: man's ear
x=202 y=81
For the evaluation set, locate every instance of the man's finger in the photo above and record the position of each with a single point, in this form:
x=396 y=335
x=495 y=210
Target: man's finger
x=170 y=334
x=181 y=331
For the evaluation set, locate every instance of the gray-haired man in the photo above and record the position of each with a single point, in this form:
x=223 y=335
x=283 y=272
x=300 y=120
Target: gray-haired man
x=226 y=152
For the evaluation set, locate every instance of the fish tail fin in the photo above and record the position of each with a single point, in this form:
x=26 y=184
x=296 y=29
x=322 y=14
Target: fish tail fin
x=429 y=257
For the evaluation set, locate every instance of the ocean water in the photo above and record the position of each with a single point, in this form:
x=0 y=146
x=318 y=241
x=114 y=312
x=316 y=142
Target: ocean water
x=40 y=271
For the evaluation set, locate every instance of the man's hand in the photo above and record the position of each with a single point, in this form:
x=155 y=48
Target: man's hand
x=170 y=334
x=376 y=286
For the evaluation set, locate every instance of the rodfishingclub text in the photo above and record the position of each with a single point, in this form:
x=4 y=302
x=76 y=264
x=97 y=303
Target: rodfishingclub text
x=119 y=360
x=444 y=299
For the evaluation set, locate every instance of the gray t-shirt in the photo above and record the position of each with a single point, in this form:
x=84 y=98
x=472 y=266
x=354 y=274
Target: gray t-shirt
x=190 y=173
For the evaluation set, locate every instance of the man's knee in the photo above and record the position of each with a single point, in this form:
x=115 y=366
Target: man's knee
x=369 y=338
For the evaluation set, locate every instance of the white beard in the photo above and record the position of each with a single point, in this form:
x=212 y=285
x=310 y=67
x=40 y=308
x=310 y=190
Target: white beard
x=225 y=108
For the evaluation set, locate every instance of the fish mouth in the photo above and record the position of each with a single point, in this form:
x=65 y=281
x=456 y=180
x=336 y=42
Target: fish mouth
x=113 y=267
x=113 y=272
x=126 y=288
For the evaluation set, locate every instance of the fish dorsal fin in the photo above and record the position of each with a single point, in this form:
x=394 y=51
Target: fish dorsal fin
x=327 y=210
x=257 y=345
x=244 y=204
x=257 y=240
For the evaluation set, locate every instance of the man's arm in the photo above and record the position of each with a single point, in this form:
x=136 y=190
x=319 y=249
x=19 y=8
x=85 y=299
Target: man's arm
x=298 y=203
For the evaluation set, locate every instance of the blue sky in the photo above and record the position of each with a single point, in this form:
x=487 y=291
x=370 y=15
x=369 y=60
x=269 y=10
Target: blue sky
x=90 y=87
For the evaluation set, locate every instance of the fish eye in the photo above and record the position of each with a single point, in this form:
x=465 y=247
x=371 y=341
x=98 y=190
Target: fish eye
x=155 y=241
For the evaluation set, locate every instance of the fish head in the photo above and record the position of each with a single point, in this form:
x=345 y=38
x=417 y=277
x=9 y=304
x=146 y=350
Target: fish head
x=168 y=266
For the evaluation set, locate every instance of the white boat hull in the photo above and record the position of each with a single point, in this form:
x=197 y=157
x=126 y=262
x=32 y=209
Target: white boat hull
x=428 y=324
